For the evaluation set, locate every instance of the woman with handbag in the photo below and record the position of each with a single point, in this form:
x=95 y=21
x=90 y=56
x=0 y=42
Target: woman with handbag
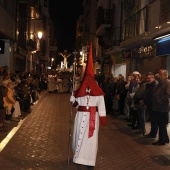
x=12 y=106
x=138 y=100
x=134 y=113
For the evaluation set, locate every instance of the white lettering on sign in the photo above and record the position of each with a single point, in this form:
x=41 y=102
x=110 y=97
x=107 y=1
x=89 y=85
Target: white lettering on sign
x=146 y=50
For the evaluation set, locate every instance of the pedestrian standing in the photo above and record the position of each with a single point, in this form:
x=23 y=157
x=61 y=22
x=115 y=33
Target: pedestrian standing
x=138 y=100
x=134 y=113
x=147 y=99
x=106 y=87
x=91 y=112
x=161 y=106
x=121 y=92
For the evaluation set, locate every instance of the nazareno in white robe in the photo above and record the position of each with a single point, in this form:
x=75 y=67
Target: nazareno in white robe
x=84 y=148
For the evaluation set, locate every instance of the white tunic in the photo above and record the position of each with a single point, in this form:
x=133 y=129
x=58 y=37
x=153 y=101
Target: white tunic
x=51 y=84
x=84 y=148
x=17 y=111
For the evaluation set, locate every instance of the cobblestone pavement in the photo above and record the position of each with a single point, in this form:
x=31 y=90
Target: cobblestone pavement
x=41 y=143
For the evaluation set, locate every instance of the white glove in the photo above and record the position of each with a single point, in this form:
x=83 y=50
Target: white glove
x=72 y=99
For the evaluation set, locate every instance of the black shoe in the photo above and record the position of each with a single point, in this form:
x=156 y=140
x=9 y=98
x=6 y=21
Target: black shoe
x=149 y=136
x=158 y=143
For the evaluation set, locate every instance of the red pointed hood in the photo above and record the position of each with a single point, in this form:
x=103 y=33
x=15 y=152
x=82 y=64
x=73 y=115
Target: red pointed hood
x=89 y=80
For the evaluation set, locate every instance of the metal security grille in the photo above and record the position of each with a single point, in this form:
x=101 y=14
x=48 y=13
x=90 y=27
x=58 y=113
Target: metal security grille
x=149 y=64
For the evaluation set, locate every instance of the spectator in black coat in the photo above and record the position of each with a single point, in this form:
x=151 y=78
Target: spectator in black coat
x=148 y=97
x=161 y=106
x=122 y=93
x=106 y=87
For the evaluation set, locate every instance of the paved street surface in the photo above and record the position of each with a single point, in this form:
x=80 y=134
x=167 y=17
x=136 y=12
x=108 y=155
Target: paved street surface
x=41 y=142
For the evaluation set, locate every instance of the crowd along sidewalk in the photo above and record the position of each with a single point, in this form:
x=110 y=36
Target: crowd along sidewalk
x=10 y=128
x=41 y=143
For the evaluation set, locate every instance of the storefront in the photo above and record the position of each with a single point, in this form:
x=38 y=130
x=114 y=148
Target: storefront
x=163 y=50
x=145 y=59
x=121 y=64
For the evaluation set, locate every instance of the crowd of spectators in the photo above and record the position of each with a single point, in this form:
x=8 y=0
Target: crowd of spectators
x=137 y=100
x=143 y=97
x=18 y=92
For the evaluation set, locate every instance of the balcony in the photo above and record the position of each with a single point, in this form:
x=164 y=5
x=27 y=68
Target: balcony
x=115 y=36
x=103 y=20
x=111 y=38
x=135 y=29
x=32 y=43
x=136 y=24
x=112 y=44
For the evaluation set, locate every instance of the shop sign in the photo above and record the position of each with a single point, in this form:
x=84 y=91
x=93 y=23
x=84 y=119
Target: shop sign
x=146 y=51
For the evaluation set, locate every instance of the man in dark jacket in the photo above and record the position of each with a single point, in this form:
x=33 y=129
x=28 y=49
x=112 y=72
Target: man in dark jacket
x=161 y=106
x=106 y=87
x=138 y=97
x=148 y=98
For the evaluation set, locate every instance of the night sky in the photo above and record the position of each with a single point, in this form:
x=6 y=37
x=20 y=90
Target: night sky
x=64 y=14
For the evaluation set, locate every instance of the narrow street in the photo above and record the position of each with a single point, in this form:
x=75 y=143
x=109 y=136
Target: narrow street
x=41 y=142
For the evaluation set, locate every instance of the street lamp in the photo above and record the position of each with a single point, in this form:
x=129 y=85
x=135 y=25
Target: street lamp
x=52 y=59
x=40 y=34
x=82 y=54
x=39 y=48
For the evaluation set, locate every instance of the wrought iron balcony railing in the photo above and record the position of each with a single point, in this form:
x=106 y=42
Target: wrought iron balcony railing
x=115 y=36
x=104 y=16
x=136 y=24
x=112 y=37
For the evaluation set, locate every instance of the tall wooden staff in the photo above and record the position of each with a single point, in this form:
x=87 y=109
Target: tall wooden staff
x=71 y=111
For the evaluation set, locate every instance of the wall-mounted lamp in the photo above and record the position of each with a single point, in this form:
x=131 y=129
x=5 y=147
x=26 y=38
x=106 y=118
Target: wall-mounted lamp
x=40 y=34
x=158 y=27
x=52 y=59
